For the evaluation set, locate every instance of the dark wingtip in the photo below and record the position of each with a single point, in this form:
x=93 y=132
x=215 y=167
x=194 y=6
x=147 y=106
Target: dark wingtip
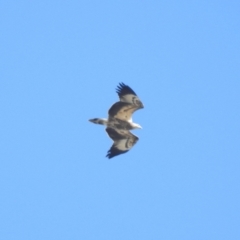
x=109 y=156
x=114 y=152
x=123 y=89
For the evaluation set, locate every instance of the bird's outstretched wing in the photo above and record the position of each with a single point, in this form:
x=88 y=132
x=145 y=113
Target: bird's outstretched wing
x=128 y=104
x=123 y=141
x=126 y=94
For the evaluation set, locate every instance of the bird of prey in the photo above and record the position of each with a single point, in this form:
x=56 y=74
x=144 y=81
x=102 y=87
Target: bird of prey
x=119 y=121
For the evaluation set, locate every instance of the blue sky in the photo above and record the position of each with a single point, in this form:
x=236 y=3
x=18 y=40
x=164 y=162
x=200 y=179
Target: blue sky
x=60 y=64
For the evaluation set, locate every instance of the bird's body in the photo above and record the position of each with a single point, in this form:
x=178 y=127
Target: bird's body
x=115 y=123
x=119 y=121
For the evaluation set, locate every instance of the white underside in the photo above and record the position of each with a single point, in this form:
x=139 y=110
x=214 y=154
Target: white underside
x=121 y=145
x=106 y=122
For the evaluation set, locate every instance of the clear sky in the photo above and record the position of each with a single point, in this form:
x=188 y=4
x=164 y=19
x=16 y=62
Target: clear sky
x=60 y=62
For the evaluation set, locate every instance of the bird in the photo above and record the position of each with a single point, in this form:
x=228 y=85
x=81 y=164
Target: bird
x=119 y=122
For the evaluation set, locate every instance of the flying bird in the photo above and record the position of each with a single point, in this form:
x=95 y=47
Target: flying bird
x=119 y=121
